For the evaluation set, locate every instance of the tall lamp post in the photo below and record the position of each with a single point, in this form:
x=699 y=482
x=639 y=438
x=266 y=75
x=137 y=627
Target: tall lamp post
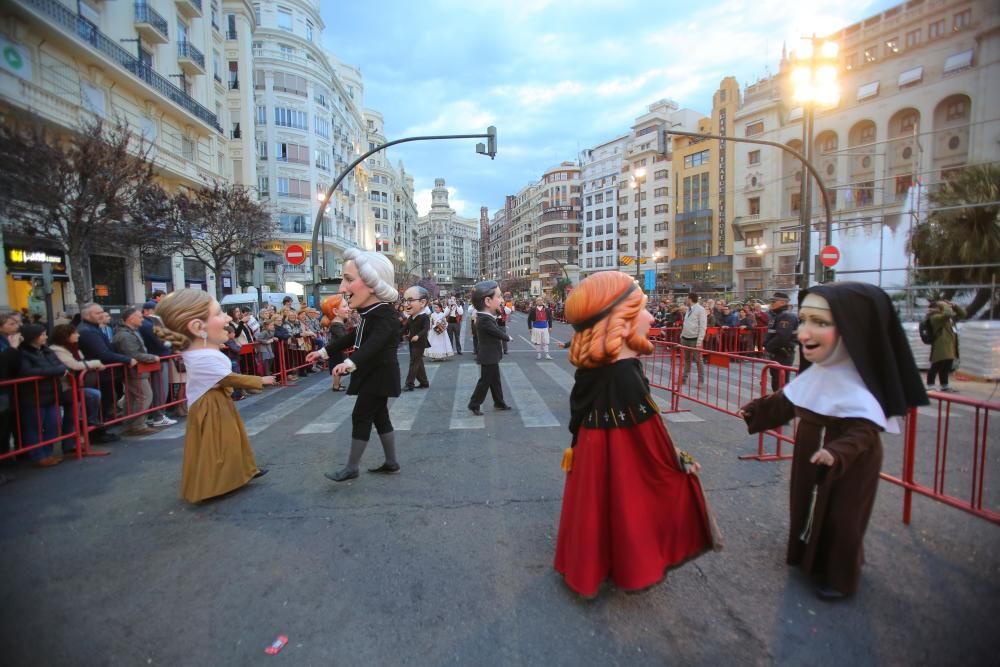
x=637 y=179
x=814 y=77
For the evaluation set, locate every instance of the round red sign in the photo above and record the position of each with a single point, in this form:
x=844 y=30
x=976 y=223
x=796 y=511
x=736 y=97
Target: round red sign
x=829 y=256
x=295 y=254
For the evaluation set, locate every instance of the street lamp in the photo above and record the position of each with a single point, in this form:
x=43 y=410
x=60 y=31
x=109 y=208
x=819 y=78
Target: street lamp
x=637 y=179
x=760 y=249
x=814 y=77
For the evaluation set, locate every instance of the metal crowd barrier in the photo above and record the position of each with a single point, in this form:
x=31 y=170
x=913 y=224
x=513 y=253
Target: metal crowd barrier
x=19 y=415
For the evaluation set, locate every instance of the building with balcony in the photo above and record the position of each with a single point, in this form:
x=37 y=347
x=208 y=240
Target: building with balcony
x=67 y=62
x=700 y=244
x=557 y=234
x=449 y=244
x=308 y=127
x=600 y=168
x=918 y=100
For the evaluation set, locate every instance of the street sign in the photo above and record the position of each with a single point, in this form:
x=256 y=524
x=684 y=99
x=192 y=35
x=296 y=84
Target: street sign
x=829 y=256
x=650 y=280
x=295 y=254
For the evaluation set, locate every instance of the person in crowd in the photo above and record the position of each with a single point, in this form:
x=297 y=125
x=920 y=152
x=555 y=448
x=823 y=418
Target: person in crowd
x=65 y=344
x=159 y=384
x=296 y=343
x=487 y=299
x=471 y=317
x=95 y=345
x=438 y=342
x=10 y=368
x=760 y=314
x=502 y=315
x=726 y=317
x=857 y=378
x=157 y=296
x=283 y=336
x=539 y=326
x=265 y=339
x=339 y=327
x=453 y=316
x=106 y=326
x=779 y=343
x=39 y=401
x=632 y=506
x=245 y=334
x=61 y=318
x=138 y=394
x=944 y=349
x=232 y=351
x=217 y=454
x=367 y=285
x=693 y=336
x=416 y=331
x=746 y=322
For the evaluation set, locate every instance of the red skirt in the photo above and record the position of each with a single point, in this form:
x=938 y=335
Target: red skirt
x=629 y=510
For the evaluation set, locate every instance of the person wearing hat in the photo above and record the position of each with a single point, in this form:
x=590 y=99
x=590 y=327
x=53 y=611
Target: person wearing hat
x=857 y=380
x=779 y=343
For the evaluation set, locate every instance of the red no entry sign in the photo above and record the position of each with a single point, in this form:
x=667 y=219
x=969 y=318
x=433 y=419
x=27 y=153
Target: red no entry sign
x=829 y=256
x=295 y=254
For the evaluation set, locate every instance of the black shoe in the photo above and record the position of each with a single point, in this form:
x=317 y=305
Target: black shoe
x=103 y=437
x=407 y=388
x=260 y=473
x=341 y=475
x=502 y=406
x=476 y=411
x=829 y=593
x=386 y=469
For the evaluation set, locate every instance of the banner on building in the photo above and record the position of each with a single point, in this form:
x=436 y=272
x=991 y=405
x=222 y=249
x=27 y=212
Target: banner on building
x=14 y=59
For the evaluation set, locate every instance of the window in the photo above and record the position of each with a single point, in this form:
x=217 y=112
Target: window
x=323 y=127
x=234 y=75
x=864 y=193
x=256 y=14
x=850 y=60
x=962 y=20
x=753 y=157
x=216 y=66
x=285 y=152
x=696 y=159
x=829 y=143
x=871 y=53
x=230 y=26
x=261 y=150
x=598 y=199
x=263 y=187
x=661 y=192
x=750 y=239
x=696 y=192
x=309 y=31
x=661 y=174
x=796 y=202
x=288 y=83
x=913 y=38
x=590 y=201
x=598 y=214
x=261 y=115
x=661 y=208
x=892 y=46
x=287 y=52
x=600 y=262
x=284 y=18
x=284 y=117
x=609 y=212
x=258 y=79
x=214 y=12
x=753 y=205
x=956 y=110
x=935 y=30
x=754 y=128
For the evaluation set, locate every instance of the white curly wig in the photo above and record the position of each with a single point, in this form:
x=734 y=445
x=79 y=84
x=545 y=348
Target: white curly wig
x=376 y=272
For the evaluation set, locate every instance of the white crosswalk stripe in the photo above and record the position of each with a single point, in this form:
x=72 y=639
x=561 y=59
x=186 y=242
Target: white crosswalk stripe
x=404 y=410
x=468 y=375
x=558 y=375
x=532 y=409
x=332 y=418
x=285 y=408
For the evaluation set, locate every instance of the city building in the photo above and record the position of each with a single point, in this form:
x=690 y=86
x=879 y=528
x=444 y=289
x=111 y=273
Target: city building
x=449 y=244
x=308 y=129
x=522 y=223
x=918 y=100
x=557 y=234
x=700 y=243
x=162 y=66
x=600 y=168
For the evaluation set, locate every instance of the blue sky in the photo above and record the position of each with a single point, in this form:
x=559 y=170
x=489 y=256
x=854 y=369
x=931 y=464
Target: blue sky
x=553 y=76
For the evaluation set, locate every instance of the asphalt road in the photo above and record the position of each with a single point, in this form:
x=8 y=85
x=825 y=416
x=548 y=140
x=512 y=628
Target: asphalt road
x=451 y=561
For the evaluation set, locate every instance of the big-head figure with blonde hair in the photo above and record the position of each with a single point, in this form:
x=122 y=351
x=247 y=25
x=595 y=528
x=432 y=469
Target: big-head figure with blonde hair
x=217 y=453
x=632 y=507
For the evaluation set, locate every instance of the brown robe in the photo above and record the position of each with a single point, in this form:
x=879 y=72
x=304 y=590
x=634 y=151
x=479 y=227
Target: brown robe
x=217 y=454
x=846 y=494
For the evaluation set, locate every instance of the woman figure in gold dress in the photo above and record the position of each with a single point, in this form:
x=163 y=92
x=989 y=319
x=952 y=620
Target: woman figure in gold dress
x=217 y=454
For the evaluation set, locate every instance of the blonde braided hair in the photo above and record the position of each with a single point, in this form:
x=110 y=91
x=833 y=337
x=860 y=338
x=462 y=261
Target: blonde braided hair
x=178 y=308
x=600 y=344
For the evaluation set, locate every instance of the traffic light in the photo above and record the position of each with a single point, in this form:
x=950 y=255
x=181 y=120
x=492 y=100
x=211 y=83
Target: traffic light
x=491 y=141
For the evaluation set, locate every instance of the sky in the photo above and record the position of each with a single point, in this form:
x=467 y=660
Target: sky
x=553 y=77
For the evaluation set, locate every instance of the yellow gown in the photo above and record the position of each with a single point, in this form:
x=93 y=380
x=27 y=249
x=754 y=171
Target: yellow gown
x=217 y=453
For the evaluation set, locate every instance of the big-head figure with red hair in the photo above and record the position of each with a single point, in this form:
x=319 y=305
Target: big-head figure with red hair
x=632 y=507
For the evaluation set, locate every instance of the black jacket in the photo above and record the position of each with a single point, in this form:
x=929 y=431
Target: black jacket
x=154 y=344
x=44 y=362
x=95 y=345
x=531 y=316
x=375 y=341
x=780 y=340
x=418 y=326
x=491 y=337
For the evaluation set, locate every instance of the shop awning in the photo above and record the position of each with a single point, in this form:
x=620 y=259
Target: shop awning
x=910 y=76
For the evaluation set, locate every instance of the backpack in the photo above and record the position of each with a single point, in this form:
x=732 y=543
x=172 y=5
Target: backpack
x=926 y=331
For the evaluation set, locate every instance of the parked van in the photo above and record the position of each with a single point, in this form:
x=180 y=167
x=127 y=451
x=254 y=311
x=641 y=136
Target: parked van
x=248 y=301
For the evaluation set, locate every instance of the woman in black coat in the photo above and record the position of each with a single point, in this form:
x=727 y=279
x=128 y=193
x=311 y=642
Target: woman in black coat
x=38 y=400
x=368 y=287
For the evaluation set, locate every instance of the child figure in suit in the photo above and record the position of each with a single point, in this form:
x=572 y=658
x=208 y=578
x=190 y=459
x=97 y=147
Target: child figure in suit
x=486 y=298
x=418 y=325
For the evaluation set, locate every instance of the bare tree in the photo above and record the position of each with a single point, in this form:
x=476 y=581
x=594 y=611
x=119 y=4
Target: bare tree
x=214 y=226
x=88 y=190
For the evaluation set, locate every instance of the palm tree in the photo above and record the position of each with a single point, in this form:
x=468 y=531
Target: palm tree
x=963 y=230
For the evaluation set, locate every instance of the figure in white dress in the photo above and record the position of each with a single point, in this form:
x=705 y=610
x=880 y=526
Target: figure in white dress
x=440 y=345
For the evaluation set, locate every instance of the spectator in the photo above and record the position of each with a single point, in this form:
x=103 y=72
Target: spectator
x=727 y=318
x=10 y=368
x=138 y=394
x=95 y=345
x=157 y=296
x=38 y=401
x=283 y=335
x=65 y=344
x=159 y=384
x=231 y=348
x=106 y=328
x=693 y=336
x=944 y=349
x=264 y=339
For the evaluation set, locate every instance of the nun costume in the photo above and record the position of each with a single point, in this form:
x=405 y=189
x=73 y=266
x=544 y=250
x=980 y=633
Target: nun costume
x=857 y=377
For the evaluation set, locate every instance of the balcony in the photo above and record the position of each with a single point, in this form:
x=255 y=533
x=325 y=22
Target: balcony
x=190 y=59
x=189 y=8
x=151 y=26
x=56 y=15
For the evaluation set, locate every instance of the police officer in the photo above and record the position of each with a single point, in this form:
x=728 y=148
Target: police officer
x=780 y=340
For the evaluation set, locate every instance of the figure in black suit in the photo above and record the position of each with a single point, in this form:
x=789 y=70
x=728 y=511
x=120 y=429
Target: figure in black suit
x=418 y=325
x=486 y=298
x=374 y=368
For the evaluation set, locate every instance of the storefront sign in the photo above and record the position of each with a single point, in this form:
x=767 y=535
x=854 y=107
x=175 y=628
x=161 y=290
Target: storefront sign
x=162 y=287
x=30 y=260
x=101 y=290
x=227 y=282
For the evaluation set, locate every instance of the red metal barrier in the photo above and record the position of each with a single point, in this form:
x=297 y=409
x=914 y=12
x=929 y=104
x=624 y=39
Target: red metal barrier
x=22 y=412
x=289 y=361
